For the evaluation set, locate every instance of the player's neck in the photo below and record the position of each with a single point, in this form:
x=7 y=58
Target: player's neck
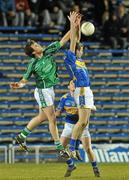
x=39 y=55
x=71 y=92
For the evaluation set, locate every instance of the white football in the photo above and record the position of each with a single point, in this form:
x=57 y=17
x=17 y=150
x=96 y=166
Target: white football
x=87 y=28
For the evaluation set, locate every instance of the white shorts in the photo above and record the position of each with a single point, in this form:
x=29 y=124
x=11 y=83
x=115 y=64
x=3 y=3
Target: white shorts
x=68 y=128
x=84 y=98
x=44 y=97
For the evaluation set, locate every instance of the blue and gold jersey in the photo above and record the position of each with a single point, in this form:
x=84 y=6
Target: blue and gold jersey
x=77 y=70
x=67 y=104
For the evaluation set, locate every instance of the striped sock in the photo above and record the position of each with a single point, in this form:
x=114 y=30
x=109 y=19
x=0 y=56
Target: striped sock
x=25 y=132
x=58 y=145
x=70 y=162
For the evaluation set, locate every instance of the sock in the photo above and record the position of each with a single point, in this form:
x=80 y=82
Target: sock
x=94 y=164
x=70 y=163
x=25 y=132
x=72 y=144
x=77 y=144
x=58 y=145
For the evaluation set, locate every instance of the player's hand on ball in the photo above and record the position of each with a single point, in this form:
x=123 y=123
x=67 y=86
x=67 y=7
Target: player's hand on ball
x=14 y=85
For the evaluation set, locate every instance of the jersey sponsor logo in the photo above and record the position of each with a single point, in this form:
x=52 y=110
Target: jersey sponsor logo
x=67 y=103
x=71 y=110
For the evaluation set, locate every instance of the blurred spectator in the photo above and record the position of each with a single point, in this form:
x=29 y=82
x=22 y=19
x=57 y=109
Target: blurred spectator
x=102 y=6
x=7 y=12
x=53 y=18
x=105 y=16
x=23 y=13
x=123 y=19
x=66 y=5
x=112 y=34
x=35 y=10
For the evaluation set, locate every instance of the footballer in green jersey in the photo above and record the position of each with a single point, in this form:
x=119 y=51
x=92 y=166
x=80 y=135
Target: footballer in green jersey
x=42 y=65
x=44 y=68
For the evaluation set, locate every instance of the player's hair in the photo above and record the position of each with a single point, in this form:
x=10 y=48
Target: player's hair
x=78 y=46
x=28 y=49
x=70 y=81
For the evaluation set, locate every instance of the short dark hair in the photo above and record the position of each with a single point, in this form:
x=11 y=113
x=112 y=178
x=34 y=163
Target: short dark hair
x=78 y=46
x=70 y=81
x=28 y=49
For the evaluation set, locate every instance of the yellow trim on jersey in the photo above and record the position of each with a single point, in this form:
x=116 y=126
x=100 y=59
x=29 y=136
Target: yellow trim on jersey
x=74 y=78
x=64 y=96
x=80 y=64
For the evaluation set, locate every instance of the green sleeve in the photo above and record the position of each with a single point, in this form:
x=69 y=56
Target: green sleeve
x=52 y=48
x=29 y=70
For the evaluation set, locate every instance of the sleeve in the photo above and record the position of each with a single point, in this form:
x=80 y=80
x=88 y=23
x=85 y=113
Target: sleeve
x=29 y=71
x=61 y=104
x=70 y=58
x=52 y=48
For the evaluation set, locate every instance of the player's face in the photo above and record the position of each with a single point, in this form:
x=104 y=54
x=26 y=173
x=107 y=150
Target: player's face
x=79 y=53
x=71 y=86
x=37 y=48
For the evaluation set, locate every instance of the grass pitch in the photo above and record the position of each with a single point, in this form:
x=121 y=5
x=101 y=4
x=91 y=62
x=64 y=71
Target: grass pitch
x=55 y=171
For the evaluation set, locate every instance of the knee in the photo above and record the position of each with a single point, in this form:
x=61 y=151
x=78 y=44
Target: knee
x=88 y=150
x=83 y=124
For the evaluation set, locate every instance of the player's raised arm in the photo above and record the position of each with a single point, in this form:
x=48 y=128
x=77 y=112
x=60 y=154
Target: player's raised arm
x=73 y=29
x=78 y=21
x=65 y=38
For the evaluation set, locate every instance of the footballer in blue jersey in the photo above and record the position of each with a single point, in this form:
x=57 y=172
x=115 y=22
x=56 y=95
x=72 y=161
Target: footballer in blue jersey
x=77 y=69
x=68 y=105
x=78 y=72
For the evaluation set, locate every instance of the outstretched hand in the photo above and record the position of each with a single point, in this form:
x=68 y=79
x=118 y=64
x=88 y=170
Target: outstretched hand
x=78 y=19
x=75 y=18
x=72 y=17
x=14 y=85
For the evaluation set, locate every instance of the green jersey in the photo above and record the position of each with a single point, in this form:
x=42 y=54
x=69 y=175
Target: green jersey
x=44 y=69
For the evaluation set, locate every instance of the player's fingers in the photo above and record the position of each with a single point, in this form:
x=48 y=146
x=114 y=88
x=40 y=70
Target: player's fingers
x=68 y=17
x=11 y=84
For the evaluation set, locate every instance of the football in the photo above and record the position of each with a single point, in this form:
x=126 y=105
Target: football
x=87 y=28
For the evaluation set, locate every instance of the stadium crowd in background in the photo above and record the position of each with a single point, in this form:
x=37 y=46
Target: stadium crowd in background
x=116 y=28
x=53 y=14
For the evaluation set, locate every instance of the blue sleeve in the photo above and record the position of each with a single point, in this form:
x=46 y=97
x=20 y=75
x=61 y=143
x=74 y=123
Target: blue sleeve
x=70 y=58
x=61 y=104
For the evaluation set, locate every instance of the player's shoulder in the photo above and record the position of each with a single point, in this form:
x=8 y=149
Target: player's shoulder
x=32 y=59
x=69 y=52
x=65 y=96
